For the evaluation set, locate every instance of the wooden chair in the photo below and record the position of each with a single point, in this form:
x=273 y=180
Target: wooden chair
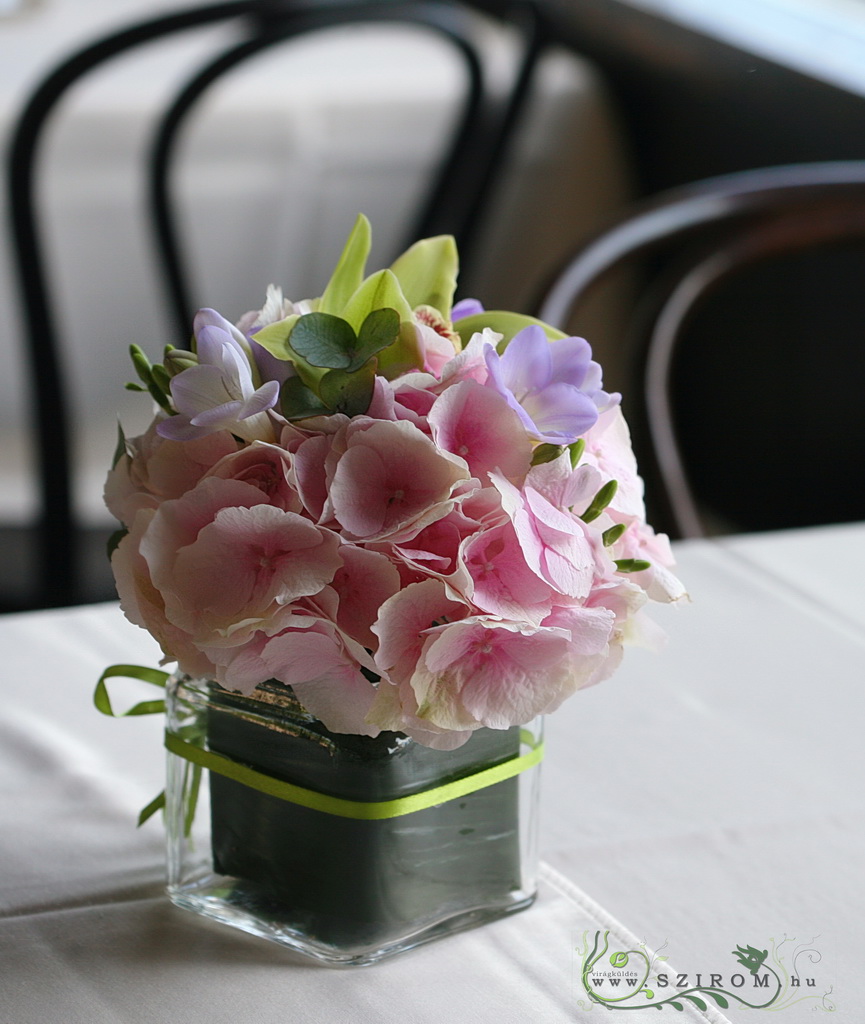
x=779 y=457
x=475 y=153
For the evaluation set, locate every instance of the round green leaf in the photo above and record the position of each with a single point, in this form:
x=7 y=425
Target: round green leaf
x=298 y=402
x=348 y=393
x=378 y=331
x=324 y=340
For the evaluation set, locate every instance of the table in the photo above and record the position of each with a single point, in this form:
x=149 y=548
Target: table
x=705 y=798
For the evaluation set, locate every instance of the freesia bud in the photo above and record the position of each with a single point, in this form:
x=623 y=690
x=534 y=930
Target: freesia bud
x=177 y=360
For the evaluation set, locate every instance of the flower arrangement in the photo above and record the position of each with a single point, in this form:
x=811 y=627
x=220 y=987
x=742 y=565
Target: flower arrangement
x=422 y=517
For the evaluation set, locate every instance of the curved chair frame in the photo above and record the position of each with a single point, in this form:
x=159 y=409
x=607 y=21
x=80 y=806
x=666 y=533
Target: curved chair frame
x=747 y=217
x=454 y=204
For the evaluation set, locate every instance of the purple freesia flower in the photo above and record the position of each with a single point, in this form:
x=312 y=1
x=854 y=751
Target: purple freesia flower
x=219 y=393
x=554 y=387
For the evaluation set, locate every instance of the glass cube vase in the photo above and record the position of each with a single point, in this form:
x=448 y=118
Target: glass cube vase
x=345 y=848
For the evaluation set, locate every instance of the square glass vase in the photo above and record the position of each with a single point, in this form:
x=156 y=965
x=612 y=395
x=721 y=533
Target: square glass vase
x=345 y=848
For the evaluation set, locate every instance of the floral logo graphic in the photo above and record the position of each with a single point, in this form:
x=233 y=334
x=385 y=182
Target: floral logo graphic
x=763 y=979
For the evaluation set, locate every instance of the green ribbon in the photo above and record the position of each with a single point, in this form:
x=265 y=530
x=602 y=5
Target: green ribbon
x=357 y=809
x=360 y=810
x=154 y=676
x=148 y=675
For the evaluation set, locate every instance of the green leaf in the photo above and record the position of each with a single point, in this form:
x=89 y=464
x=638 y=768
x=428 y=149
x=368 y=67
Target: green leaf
x=676 y=1006
x=546 y=453
x=298 y=402
x=502 y=322
x=632 y=564
x=719 y=999
x=120 y=447
x=347 y=277
x=323 y=339
x=192 y=800
x=600 y=501
x=378 y=331
x=274 y=337
x=349 y=393
x=156 y=804
x=697 y=1002
x=427 y=273
x=378 y=291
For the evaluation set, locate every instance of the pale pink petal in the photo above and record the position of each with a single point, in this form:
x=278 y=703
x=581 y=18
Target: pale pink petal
x=143 y=605
x=395 y=709
x=326 y=680
x=502 y=582
x=309 y=463
x=403 y=621
x=477 y=424
x=363 y=583
x=245 y=566
x=554 y=543
x=392 y=481
x=494 y=673
x=608 y=445
x=265 y=466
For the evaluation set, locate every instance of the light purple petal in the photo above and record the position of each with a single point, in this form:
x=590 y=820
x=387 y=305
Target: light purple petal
x=219 y=416
x=199 y=388
x=211 y=342
x=210 y=318
x=527 y=362
x=563 y=410
x=572 y=361
x=466 y=307
x=178 y=428
x=260 y=401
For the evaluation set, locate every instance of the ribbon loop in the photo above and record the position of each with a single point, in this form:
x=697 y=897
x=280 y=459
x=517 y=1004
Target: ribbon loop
x=154 y=676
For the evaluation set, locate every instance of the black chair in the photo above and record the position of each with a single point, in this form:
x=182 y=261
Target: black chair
x=456 y=202
x=744 y=389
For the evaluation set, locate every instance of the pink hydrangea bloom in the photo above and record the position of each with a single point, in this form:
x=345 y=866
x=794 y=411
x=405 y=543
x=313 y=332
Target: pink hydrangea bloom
x=391 y=481
x=227 y=563
x=420 y=567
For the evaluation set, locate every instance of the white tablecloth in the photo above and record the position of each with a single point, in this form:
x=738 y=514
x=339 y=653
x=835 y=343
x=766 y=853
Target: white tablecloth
x=315 y=132
x=706 y=798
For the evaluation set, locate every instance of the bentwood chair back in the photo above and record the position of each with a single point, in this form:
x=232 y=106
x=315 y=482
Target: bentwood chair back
x=474 y=154
x=744 y=388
